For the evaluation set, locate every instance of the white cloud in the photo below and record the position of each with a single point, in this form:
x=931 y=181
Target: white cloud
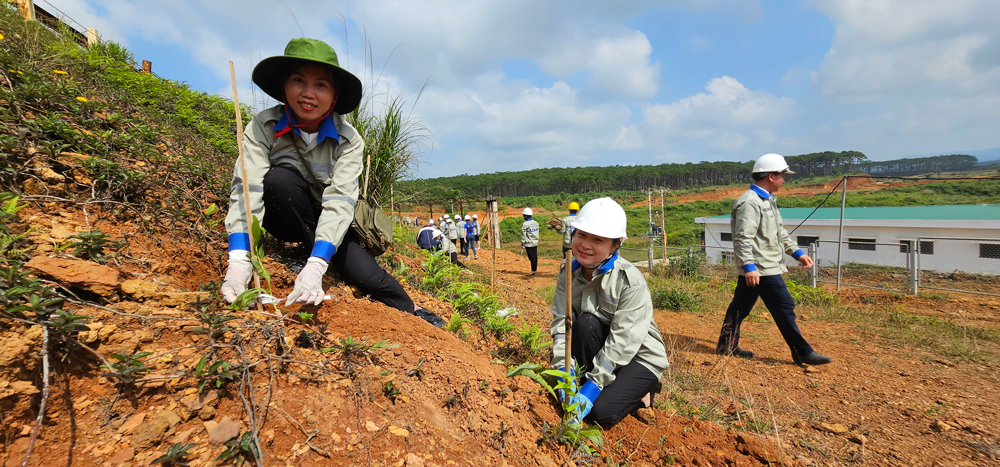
x=730 y=119
x=620 y=64
x=913 y=77
x=887 y=47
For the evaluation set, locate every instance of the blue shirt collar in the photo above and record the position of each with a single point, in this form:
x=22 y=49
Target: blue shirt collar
x=607 y=266
x=327 y=127
x=761 y=192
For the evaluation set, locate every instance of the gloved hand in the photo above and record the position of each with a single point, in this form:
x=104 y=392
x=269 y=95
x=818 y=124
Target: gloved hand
x=585 y=400
x=309 y=283
x=237 y=275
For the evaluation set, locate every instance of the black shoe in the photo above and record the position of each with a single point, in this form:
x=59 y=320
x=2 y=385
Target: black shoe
x=813 y=358
x=436 y=320
x=735 y=351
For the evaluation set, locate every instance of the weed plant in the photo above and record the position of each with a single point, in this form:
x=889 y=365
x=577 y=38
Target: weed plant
x=176 y=456
x=675 y=298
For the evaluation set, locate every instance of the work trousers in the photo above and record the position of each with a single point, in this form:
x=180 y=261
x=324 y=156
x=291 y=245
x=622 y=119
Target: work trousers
x=470 y=243
x=464 y=241
x=455 y=261
x=291 y=213
x=632 y=382
x=779 y=302
x=532 y=253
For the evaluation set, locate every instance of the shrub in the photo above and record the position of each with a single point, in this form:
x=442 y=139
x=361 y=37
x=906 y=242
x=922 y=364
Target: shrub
x=675 y=299
x=806 y=295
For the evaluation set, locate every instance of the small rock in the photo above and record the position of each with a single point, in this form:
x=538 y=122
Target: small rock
x=941 y=427
x=859 y=439
x=195 y=402
x=413 y=460
x=226 y=430
x=646 y=415
x=87 y=275
x=544 y=461
x=475 y=422
x=152 y=432
x=835 y=428
x=131 y=423
x=370 y=426
x=206 y=413
x=812 y=369
x=172 y=418
x=183 y=436
x=401 y=432
x=122 y=456
x=140 y=289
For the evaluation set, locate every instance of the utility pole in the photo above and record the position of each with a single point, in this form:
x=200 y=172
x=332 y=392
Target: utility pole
x=840 y=238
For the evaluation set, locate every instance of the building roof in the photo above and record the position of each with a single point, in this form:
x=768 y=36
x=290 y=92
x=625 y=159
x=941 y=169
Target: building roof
x=979 y=212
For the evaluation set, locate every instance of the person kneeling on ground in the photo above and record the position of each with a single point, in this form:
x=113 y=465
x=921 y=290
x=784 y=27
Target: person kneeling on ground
x=614 y=336
x=303 y=160
x=429 y=237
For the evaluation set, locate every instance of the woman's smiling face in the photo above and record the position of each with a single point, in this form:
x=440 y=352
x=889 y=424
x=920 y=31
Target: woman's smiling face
x=590 y=250
x=310 y=93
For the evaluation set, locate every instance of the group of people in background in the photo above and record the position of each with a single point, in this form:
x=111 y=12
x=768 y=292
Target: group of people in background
x=456 y=235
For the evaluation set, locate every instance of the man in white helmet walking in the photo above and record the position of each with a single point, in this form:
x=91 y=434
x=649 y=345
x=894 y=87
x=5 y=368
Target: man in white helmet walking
x=760 y=242
x=529 y=239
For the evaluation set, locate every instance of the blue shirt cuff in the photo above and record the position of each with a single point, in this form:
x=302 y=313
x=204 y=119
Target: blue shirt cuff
x=324 y=249
x=749 y=267
x=239 y=241
x=797 y=253
x=590 y=391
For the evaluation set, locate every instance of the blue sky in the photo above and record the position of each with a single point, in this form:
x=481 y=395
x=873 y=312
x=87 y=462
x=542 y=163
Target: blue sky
x=520 y=84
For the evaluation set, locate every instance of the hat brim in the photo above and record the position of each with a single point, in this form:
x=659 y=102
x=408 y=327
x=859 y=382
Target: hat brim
x=267 y=76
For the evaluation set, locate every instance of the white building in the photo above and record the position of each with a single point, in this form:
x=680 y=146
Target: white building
x=952 y=238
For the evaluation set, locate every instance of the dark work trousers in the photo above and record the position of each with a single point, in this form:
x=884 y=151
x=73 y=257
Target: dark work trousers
x=774 y=293
x=565 y=249
x=532 y=253
x=465 y=246
x=632 y=382
x=291 y=213
x=456 y=262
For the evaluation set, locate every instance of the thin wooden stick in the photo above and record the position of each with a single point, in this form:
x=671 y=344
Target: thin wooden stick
x=45 y=395
x=246 y=181
x=568 y=281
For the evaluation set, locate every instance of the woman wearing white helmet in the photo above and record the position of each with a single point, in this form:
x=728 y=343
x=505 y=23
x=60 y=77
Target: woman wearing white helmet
x=615 y=338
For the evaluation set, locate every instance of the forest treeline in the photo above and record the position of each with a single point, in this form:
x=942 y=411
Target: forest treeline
x=539 y=182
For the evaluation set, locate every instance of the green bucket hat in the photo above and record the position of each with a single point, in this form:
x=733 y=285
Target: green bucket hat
x=267 y=74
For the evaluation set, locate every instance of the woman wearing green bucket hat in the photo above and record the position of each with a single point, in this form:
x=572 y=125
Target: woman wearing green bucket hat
x=303 y=160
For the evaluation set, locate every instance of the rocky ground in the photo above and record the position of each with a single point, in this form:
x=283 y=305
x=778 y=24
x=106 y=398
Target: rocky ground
x=886 y=400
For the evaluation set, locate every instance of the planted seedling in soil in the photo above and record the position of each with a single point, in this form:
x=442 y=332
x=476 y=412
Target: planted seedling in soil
x=176 y=456
x=418 y=372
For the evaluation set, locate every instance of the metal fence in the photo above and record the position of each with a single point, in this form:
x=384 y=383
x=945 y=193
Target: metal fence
x=968 y=265
x=868 y=264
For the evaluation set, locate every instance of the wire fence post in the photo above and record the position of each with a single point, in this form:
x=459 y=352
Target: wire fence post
x=27 y=9
x=840 y=237
x=814 y=270
x=914 y=268
x=649 y=251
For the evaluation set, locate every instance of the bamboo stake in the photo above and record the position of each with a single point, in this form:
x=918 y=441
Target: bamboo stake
x=246 y=181
x=569 y=316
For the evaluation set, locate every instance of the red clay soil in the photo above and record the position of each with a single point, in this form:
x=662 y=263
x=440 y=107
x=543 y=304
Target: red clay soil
x=312 y=408
x=877 y=404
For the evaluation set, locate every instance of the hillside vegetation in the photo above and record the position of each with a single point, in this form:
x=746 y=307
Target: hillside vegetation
x=563 y=181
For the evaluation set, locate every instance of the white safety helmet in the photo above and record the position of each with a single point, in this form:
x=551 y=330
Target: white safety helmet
x=527 y=212
x=602 y=217
x=468 y=217
x=457 y=217
x=771 y=163
x=475 y=216
x=430 y=221
x=450 y=221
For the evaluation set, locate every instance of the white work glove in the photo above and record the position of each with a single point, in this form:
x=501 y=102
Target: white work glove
x=237 y=275
x=309 y=283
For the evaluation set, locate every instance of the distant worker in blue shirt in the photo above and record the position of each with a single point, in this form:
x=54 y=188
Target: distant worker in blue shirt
x=760 y=242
